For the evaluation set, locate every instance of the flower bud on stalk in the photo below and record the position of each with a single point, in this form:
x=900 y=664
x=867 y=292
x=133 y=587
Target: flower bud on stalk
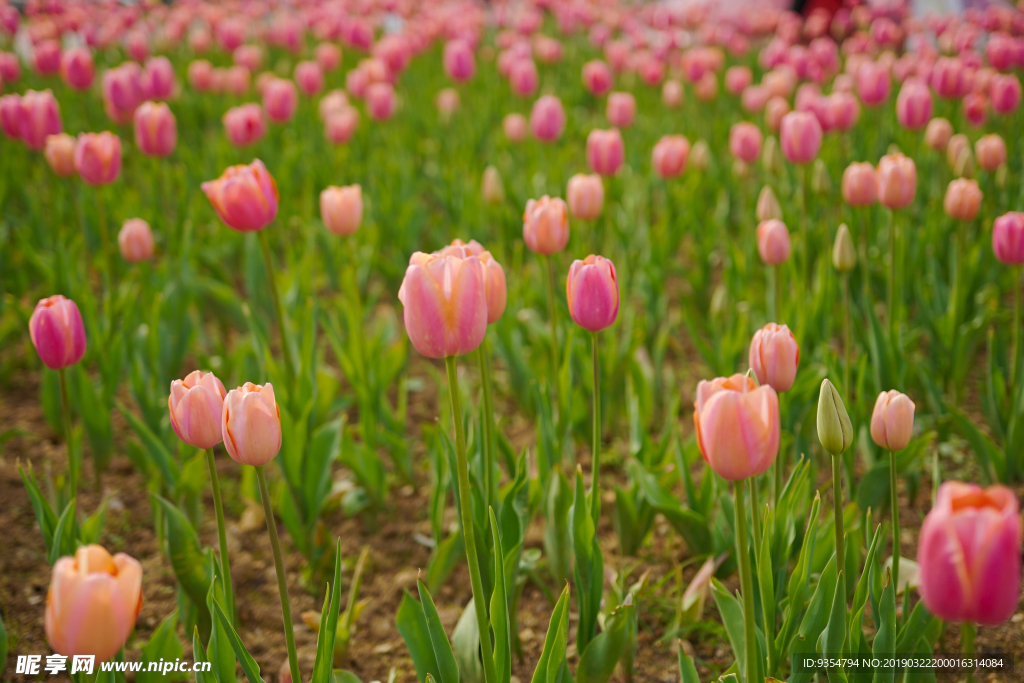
x=700 y=156
x=492 y=189
x=844 y=254
x=835 y=432
x=768 y=206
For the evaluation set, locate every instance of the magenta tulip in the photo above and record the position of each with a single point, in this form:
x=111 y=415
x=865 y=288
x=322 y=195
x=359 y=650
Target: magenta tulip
x=57 y=332
x=592 y=292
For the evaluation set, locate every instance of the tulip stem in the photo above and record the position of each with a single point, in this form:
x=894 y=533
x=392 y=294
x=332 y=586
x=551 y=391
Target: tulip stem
x=282 y=584
x=837 y=498
x=894 y=502
x=218 y=506
x=846 y=335
x=490 y=484
x=73 y=465
x=468 y=535
x=968 y=634
x=891 y=307
x=1016 y=329
x=549 y=280
x=755 y=517
x=268 y=261
x=595 y=454
x=746 y=584
x=772 y=295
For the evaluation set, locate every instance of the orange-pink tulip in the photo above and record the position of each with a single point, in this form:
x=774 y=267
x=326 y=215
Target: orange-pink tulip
x=892 y=421
x=585 y=196
x=897 y=181
x=156 y=131
x=938 y=133
x=775 y=356
x=135 y=240
x=963 y=199
x=245 y=197
x=445 y=302
x=251 y=424
x=494 y=275
x=341 y=209
x=546 y=225
x=605 y=152
x=98 y=157
x=669 y=156
x=773 y=242
x=60 y=154
x=801 y=136
x=990 y=151
x=737 y=426
x=860 y=184
x=196 y=404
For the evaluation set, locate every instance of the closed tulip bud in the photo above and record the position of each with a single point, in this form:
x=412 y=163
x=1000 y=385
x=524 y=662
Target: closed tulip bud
x=93 y=602
x=957 y=144
x=310 y=77
x=492 y=189
x=381 y=101
x=963 y=199
x=605 y=151
x=835 y=432
x=156 y=131
x=585 y=195
x=523 y=77
x=1008 y=238
x=991 y=151
x=873 y=83
x=122 y=91
x=700 y=156
x=768 y=207
x=1005 y=92
x=196 y=404
x=860 y=184
x=341 y=209
x=938 y=133
x=897 y=181
x=844 y=254
x=249 y=56
x=965 y=166
x=514 y=126
x=250 y=424
x=236 y=80
x=672 y=94
x=892 y=421
x=914 y=104
x=546 y=225
x=245 y=124
x=332 y=103
x=445 y=302
x=737 y=79
x=669 y=156
x=771 y=157
x=46 y=57
x=340 y=125
x=157 y=81
x=40 y=117
x=459 y=62
x=773 y=242
x=57 y=332
x=597 y=77
x=737 y=426
x=745 y=141
x=60 y=154
x=774 y=111
x=754 y=98
x=98 y=157
x=10 y=115
x=774 y=356
x=706 y=88
x=135 y=241
x=280 y=100
x=801 y=136
x=200 y=75
x=969 y=554
x=621 y=109
x=592 y=293
x=245 y=197
x=77 y=68
x=821 y=182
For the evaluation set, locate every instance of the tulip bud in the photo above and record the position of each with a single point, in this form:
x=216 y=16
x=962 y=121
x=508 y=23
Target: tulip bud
x=156 y=131
x=514 y=126
x=835 y=432
x=669 y=156
x=991 y=151
x=40 y=118
x=801 y=136
x=93 y=602
x=447 y=103
x=892 y=421
x=341 y=209
x=860 y=184
x=774 y=111
x=381 y=101
x=969 y=554
x=280 y=100
x=737 y=426
x=774 y=356
x=492 y=189
x=605 y=151
x=60 y=154
x=621 y=109
x=245 y=124
x=771 y=157
x=135 y=241
x=251 y=424
x=310 y=77
x=546 y=225
x=585 y=195
x=745 y=141
x=957 y=144
x=897 y=181
x=700 y=156
x=445 y=302
x=844 y=254
x=938 y=133
x=77 y=68
x=963 y=199
x=821 y=183
x=547 y=119
x=459 y=62
x=592 y=293
x=196 y=404
x=597 y=77
x=768 y=206
x=964 y=166
x=773 y=242
x=245 y=197
x=672 y=94
x=98 y=157
x=914 y=104
x=57 y=332
x=1008 y=238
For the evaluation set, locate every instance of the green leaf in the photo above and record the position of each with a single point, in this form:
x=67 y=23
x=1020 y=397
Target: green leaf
x=412 y=626
x=731 y=612
x=885 y=638
x=92 y=527
x=63 y=542
x=557 y=536
x=446 y=664
x=598 y=661
x=249 y=666
x=199 y=657
x=45 y=515
x=766 y=584
x=218 y=647
x=3 y=645
x=194 y=476
x=913 y=629
x=687 y=671
x=320 y=455
x=163 y=644
x=187 y=560
x=551 y=664
x=588 y=567
x=323 y=667
x=500 y=608
x=154 y=447
x=692 y=526
x=815 y=619
x=832 y=639
x=466 y=646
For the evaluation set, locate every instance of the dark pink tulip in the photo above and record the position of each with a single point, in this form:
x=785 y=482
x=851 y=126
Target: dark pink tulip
x=1008 y=238
x=621 y=109
x=244 y=196
x=547 y=118
x=122 y=91
x=523 y=77
x=46 y=57
x=597 y=77
x=949 y=78
x=200 y=75
x=801 y=137
x=10 y=115
x=914 y=104
x=592 y=293
x=381 y=101
x=40 y=117
x=737 y=79
x=340 y=125
x=98 y=157
x=1000 y=51
x=1005 y=92
x=156 y=131
x=745 y=141
x=309 y=77
x=57 y=332
x=245 y=124
x=76 y=68
x=230 y=33
x=515 y=127
x=158 y=79
x=873 y=83
x=975 y=108
x=669 y=156
x=10 y=70
x=280 y=100
x=328 y=56
x=605 y=151
x=459 y=62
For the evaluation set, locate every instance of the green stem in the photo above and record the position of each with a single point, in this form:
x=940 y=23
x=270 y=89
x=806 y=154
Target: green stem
x=282 y=585
x=746 y=584
x=846 y=335
x=770 y=271
x=468 y=535
x=549 y=281
x=865 y=273
x=806 y=227
x=755 y=516
x=894 y=501
x=891 y=303
x=275 y=296
x=968 y=634
x=837 y=497
x=225 y=565
x=1015 y=331
x=74 y=466
x=595 y=452
x=490 y=483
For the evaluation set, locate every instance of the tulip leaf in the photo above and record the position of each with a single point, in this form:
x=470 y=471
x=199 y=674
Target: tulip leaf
x=500 y=608
x=45 y=515
x=588 y=567
x=466 y=646
x=187 y=560
x=92 y=527
x=691 y=525
x=913 y=629
x=731 y=612
x=598 y=661
x=815 y=619
x=321 y=454
x=200 y=658
x=163 y=644
x=687 y=670
x=219 y=646
x=249 y=666
x=551 y=666
x=412 y=626
x=884 y=644
x=445 y=657
x=3 y=645
x=63 y=542
x=833 y=637
x=557 y=536
x=154 y=447
x=323 y=666
x=446 y=555
x=860 y=594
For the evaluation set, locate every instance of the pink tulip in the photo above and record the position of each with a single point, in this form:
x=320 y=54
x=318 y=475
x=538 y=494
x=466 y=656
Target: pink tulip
x=672 y=94
x=706 y=89
x=447 y=102
x=892 y=421
x=60 y=154
x=495 y=286
x=40 y=117
x=77 y=68
x=585 y=196
x=737 y=79
x=445 y=302
x=251 y=424
x=10 y=69
x=801 y=137
x=1008 y=238
x=380 y=100
x=135 y=240
x=245 y=197
x=873 y=83
x=949 y=79
x=57 y=332
x=841 y=110
x=975 y=108
x=523 y=77
x=547 y=119
x=310 y=78
x=156 y=131
x=754 y=98
x=200 y=75
x=280 y=100
x=459 y=62
x=745 y=141
x=990 y=151
x=331 y=103
x=774 y=356
x=775 y=109
x=597 y=77
x=914 y=104
x=341 y=209
x=860 y=184
x=963 y=199
x=10 y=115
x=340 y=125
x=592 y=292
x=196 y=404
x=249 y=56
x=230 y=33
x=897 y=181
x=46 y=57
x=938 y=133
x=122 y=91
x=93 y=602
x=158 y=82
x=546 y=225
x=773 y=242
x=515 y=126
x=969 y=554
x=98 y=157
x=245 y=124
x=236 y=80
x=605 y=151
x=621 y=109
x=1005 y=92
x=669 y=156
x=328 y=56
x=737 y=426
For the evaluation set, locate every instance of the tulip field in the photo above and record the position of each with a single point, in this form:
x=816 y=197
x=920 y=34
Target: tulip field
x=515 y=341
